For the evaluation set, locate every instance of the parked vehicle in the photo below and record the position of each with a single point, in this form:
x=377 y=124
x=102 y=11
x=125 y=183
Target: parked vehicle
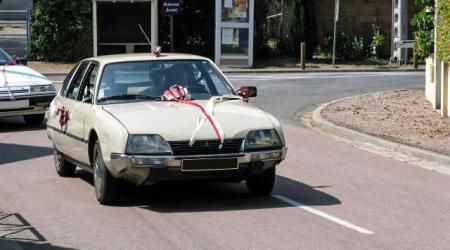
x=146 y=119
x=23 y=91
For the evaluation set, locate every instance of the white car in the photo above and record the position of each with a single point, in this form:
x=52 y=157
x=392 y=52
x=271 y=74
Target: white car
x=145 y=119
x=23 y=91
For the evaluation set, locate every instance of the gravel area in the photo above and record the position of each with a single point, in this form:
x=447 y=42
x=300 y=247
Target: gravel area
x=401 y=116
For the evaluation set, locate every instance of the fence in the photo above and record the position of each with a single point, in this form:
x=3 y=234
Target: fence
x=15 y=35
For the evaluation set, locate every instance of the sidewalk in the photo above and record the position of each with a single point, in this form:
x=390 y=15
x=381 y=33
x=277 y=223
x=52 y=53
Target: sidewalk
x=64 y=68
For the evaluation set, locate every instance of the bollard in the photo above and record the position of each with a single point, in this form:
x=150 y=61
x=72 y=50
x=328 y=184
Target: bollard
x=302 y=54
x=414 y=57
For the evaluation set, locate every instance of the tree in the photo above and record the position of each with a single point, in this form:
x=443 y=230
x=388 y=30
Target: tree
x=423 y=24
x=62 y=30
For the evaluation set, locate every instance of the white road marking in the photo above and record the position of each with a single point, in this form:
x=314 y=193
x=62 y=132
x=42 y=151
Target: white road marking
x=57 y=82
x=322 y=214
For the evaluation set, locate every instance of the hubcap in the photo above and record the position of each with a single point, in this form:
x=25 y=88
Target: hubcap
x=98 y=177
x=57 y=159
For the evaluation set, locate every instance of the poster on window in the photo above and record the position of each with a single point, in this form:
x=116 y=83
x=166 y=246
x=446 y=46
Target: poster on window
x=235 y=10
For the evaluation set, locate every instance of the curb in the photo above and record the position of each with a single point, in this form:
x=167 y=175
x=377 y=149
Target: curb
x=354 y=135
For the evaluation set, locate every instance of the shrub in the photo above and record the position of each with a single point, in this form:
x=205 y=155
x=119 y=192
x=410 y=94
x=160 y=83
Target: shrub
x=347 y=47
x=423 y=24
x=62 y=30
x=443 y=26
x=377 y=40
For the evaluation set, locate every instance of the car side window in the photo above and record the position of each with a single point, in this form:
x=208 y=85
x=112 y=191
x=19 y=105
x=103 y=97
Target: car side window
x=88 y=84
x=67 y=81
x=74 y=87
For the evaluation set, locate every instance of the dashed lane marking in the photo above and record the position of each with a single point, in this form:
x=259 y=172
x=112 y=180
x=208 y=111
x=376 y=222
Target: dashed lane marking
x=322 y=214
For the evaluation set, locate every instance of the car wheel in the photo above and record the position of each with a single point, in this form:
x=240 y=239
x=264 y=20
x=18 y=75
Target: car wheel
x=106 y=186
x=262 y=184
x=34 y=119
x=62 y=166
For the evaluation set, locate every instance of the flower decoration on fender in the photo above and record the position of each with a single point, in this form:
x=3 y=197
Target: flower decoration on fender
x=179 y=94
x=63 y=116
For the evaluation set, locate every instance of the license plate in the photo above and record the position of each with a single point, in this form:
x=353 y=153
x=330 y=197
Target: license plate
x=209 y=164
x=15 y=104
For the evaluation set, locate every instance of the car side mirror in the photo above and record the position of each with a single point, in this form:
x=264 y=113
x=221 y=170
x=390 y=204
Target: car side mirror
x=19 y=60
x=15 y=59
x=247 y=91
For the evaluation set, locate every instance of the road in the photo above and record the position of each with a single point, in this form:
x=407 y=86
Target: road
x=328 y=195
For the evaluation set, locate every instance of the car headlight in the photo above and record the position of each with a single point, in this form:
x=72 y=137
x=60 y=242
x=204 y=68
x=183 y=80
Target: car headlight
x=262 y=140
x=42 y=88
x=147 y=144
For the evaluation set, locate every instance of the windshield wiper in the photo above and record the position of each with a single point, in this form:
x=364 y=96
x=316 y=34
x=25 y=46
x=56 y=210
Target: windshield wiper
x=223 y=98
x=128 y=97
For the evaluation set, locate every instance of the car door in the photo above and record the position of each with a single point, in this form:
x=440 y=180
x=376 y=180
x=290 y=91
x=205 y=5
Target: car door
x=65 y=116
x=80 y=109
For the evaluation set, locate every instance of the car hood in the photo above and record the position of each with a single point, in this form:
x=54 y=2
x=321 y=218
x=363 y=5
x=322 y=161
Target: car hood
x=18 y=76
x=177 y=121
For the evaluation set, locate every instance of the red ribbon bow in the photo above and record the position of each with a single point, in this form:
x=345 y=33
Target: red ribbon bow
x=63 y=116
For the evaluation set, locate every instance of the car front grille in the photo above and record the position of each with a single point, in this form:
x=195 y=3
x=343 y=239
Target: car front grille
x=17 y=91
x=206 y=147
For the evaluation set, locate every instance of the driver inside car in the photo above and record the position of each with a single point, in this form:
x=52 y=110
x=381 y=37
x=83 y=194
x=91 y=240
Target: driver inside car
x=181 y=75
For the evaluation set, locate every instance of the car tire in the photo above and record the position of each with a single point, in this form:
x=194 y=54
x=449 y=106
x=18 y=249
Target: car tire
x=34 y=119
x=107 y=188
x=63 y=167
x=262 y=184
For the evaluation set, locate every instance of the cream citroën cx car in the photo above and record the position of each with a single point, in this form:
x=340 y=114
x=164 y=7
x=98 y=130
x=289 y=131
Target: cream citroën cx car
x=111 y=118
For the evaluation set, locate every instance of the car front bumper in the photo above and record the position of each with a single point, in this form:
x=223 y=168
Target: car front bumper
x=38 y=104
x=143 y=169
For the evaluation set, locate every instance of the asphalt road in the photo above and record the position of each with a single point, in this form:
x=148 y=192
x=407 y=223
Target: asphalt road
x=328 y=195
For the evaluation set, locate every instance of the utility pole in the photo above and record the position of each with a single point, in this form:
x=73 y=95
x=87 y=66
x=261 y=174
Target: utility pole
x=172 y=40
x=336 y=17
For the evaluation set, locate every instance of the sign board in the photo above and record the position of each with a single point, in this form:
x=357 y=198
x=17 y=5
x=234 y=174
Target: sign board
x=171 y=7
x=408 y=44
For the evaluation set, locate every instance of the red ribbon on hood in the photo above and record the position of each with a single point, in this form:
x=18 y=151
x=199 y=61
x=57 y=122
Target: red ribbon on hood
x=179 y=94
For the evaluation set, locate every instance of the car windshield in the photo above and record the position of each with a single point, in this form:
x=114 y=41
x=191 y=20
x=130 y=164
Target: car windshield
x=4 y=57
x=144 y=80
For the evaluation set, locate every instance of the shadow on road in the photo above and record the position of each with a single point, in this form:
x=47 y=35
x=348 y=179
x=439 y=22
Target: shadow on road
x=17 y=233
x=16 y=124
x=16 y=152
x=200 y=196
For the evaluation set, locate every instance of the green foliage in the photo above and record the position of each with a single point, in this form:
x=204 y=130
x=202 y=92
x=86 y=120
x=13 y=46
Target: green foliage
x=303 y=28
x=377 y=40
x=423 y=24
x=443 y=26
x=62 y=30
x=347 y=47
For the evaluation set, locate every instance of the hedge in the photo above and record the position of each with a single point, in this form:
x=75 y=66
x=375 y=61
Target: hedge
x=443 y=26
x=62 y=30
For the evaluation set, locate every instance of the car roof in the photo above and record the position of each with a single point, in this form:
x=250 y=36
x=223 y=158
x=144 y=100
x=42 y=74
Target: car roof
x=144 y=57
